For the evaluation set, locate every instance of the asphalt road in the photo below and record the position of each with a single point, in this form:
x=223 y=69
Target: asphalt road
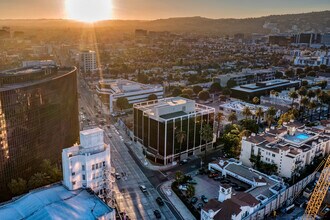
x=129 y=197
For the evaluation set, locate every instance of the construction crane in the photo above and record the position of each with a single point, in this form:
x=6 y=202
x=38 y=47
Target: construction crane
x=319 y=192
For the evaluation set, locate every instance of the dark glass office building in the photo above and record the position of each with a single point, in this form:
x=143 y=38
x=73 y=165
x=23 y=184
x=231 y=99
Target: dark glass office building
x=156 y=124
x=38 y=118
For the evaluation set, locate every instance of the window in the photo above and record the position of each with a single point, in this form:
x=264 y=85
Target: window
x=97 y=166
x=104 y=163
x=273 y=155
x=93 y=176
x=93 y=167
x=83 y=177
x=73 y=173
x=83 y=167
x=74 y=183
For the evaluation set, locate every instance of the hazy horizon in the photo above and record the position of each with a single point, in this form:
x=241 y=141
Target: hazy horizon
x=152 y=10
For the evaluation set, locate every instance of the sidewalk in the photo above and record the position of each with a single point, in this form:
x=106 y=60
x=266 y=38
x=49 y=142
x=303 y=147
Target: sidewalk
x=176 y=201
x=138 y=151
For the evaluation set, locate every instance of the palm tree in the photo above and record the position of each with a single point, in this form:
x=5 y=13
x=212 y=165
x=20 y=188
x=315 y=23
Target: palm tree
x=259 y=113
x=311 y=106
x=293 y=95
x=324 y=99
x=219 y=120
x=180 y=137
x=246 y=112
x=232 y=117
x=310 y=94
x=256 y=100
x=303 y=103
x=190 y=190
x=271 y=112
x=302 y=91
x=206 y=133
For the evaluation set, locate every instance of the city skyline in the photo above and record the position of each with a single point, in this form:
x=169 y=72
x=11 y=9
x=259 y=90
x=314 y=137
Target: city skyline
x=150 y=10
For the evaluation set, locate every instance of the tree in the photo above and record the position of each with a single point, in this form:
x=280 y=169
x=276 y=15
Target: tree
x=323 y=84
x=311 y=73
x=197 y=89
x=323 y=67
x=307 y=69
x=180 y=137
x=232 y=117
x=38 y=180
x=17 y=187
x=51 y=170
x=142 y=78
x=176 y=91
x=259 y=113
x=185 y=96
x=226 y=91
x=293 y=95
x=304 y=83
x=256 y=100
x=246 y=112
x=270 y=115
x=289 y=73
x=152 y=97
x=122 y=103
x=215 y=87
x=303 y=103
x=311 y=106
x=231 y=83
x=204 y=95
x=219 y=120
x=310 y=94
x=278 y=75
x=206 y=134
x=300 y=72
x=179 y=176
x=190 y=190
x=188 y=92
x=302 y=91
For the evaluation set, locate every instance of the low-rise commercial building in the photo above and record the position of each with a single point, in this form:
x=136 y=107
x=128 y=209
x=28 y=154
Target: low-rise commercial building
x=246 y=76
x=249 y=91
x=291 y=148
x=88 y=165
x=157 y=123
x=239 y=106
x=111 y=90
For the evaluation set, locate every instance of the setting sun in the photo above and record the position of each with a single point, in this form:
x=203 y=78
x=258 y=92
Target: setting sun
x=88 y=10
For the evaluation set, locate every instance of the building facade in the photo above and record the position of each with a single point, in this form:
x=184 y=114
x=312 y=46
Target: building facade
x=88 y=61
x=38 y=117
x=88 y=165
x=111 y=90
x=249 y=91
x=246 y=76
x=291 y=147
x=157 y=123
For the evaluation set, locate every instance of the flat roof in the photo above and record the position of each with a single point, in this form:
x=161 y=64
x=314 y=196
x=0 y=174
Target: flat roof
x=267 y=85
x=173 y=115
x=55 y=202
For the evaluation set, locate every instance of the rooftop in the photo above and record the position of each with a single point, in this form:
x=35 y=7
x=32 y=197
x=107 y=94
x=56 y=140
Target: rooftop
x=55 y=202
x=260 y=86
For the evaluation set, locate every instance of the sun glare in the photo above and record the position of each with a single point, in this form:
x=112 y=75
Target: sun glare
x=88 y=10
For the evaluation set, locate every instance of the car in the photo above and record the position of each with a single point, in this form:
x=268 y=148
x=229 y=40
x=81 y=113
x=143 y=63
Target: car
x=192 y=181
x=183 y=187
x=218 y=178
x=204 y=199
x=160 y=201
x=118 y=176
x=233 y=184
x=157 y=214
x=143 y=188
x=240 y=188
x=212 y=175
x=183 y=162
x=200 y=206
x=193 y=200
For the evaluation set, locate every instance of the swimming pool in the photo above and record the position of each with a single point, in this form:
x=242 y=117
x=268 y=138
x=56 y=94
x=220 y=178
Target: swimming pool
x=302 y=136
x=298 y=138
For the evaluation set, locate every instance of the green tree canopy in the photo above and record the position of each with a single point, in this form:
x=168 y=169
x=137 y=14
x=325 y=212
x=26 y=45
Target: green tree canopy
x=176 y=91
x=204 y=95
x=197 y=89
x=215 y=87
x=231 y=83
x=17 y=187
x=152 y=97
x=122 y=103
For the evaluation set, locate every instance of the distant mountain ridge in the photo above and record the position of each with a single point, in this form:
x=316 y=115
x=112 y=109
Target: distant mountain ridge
x=313 y=21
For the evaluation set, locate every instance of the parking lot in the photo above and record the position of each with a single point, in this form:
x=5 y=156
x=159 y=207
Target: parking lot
x=209 y=187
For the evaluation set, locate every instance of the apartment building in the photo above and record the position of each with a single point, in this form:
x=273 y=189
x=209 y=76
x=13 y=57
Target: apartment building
x=291 y=147
x=87 y=165
x=157 y=123
x=88 y=61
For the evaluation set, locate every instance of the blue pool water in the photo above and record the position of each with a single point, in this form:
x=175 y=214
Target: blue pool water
x=302 y=136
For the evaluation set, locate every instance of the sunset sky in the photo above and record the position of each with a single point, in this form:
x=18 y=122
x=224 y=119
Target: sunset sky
x=154 y=9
